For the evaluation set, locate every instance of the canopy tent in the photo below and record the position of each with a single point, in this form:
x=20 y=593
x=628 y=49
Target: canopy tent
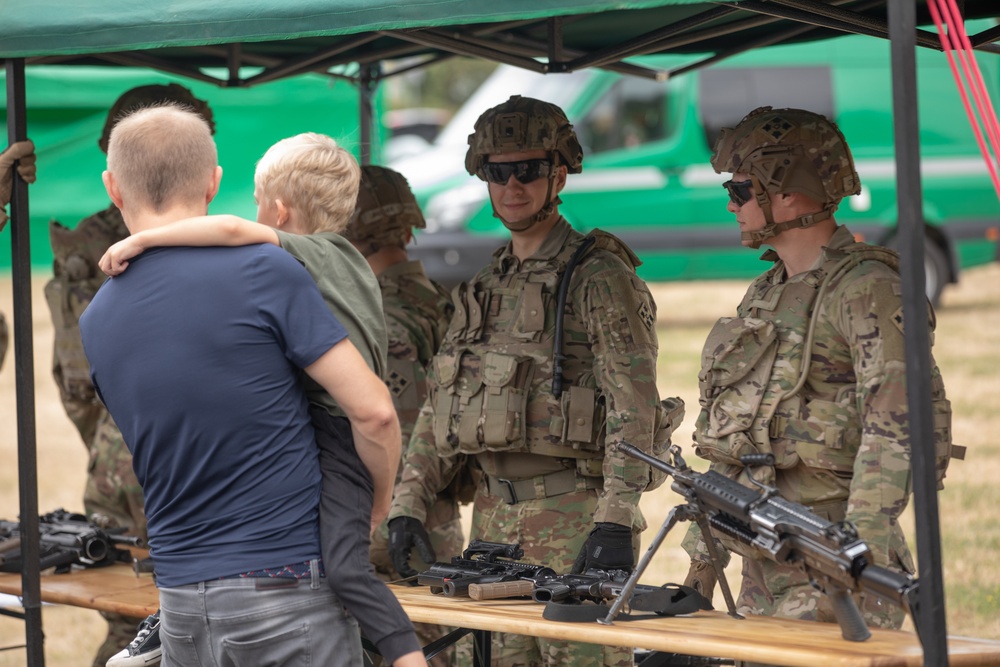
x=318 y=33
x=282 y=39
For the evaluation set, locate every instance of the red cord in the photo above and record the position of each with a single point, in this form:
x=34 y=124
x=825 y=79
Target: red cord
x=973 y=73
x=960 y=43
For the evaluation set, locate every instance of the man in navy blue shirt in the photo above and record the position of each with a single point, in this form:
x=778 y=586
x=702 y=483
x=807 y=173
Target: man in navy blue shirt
x=197 y=354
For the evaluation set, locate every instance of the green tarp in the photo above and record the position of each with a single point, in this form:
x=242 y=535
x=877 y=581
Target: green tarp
x=36 y=28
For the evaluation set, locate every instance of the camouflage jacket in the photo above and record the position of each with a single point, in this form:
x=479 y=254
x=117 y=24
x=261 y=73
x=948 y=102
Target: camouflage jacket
x=491 y=381
x=76 y=279
x=417 y=313
x=840 y=434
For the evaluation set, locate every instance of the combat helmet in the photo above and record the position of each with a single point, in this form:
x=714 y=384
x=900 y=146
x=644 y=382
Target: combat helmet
x=385 y=213
x=525 y=124
x=785 y=151
x=145 y=96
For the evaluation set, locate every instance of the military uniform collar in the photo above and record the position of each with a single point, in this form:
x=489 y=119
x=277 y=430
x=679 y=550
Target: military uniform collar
x=553 y=243
x=402 y=269
x=841 y=238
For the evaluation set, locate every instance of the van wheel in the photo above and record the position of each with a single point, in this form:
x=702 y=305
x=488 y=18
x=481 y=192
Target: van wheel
x=936 y=268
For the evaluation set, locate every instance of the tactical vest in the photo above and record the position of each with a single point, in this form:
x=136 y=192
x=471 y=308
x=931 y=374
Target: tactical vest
x=494 y=372
x=753 y=370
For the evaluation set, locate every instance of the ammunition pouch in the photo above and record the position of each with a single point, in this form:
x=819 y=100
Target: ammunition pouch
x=736 y=365
x=480 y=401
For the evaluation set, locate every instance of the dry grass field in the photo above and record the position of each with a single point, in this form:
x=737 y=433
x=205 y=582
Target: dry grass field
x=968 y=343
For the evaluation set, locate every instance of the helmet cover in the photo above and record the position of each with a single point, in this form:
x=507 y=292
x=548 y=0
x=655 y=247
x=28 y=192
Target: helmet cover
x=385 y=213
x=789 y=150
x=523 y=124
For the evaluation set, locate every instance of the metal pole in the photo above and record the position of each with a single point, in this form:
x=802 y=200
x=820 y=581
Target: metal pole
x=24 y=374
x=929 y=616
x=367 y=83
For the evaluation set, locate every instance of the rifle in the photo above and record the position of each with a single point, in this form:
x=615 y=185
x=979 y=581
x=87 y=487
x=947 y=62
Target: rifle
x=834 y=557
x=594 y=585
x=66 y=539
x=482 y=563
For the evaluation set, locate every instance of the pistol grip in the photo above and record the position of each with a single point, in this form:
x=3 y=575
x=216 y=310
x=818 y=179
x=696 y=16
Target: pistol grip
x=852 y=623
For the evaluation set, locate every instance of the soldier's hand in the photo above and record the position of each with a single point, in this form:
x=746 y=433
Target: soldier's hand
x=405 y=533
x=608 y=547
x=701 y=577
x=24 y=153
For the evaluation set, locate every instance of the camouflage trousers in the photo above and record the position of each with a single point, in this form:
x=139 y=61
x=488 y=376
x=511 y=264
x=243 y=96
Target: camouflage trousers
x=114 y=494
x=770 y=589
x=444 y=527
x=551 y=532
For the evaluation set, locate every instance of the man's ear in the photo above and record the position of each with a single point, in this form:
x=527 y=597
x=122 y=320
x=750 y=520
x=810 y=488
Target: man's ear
x=111 y=185
x=560 y=178
x=213 y=188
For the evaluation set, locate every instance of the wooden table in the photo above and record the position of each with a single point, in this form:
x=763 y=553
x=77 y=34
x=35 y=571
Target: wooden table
x=777 y=641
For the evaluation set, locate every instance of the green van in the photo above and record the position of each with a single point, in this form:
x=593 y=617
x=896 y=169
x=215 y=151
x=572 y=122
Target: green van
x=65 y=122
x=646 y=174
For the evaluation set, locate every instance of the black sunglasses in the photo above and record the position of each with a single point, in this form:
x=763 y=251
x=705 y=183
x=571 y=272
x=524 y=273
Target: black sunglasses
x=740 y=192
x=525 y=171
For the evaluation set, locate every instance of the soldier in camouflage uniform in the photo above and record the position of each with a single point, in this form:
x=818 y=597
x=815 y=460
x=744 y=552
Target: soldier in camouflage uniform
x=811 y=369
x=538 y=416
x=23 y=153
x=112 y=496
x=417 y=313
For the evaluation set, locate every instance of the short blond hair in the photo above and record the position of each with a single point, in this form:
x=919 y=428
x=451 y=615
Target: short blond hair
x=314 y=175
x=162 y=155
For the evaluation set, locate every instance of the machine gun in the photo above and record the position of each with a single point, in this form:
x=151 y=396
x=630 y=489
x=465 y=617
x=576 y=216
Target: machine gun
x=482 y=563
x=66 y=539
x=834 y=557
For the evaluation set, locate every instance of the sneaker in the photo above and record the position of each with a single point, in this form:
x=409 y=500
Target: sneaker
x=144 y=650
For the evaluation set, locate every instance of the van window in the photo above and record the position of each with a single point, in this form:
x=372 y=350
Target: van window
x=632 y=113
x=729 y=94
x=559 y=89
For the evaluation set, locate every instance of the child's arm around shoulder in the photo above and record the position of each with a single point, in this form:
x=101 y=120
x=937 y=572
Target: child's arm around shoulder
x=206 y=230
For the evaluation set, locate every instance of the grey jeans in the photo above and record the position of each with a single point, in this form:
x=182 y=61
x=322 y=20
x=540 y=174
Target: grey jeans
x=257 y=621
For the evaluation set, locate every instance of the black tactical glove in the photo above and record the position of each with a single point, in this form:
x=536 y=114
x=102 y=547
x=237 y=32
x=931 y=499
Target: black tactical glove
x=405 y=532
x=608 y=547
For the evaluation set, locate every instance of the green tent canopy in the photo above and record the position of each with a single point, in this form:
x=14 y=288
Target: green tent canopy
x=286 y=37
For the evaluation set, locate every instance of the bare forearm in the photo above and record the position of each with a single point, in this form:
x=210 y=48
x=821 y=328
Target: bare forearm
x=208 y=230
x=378 y=445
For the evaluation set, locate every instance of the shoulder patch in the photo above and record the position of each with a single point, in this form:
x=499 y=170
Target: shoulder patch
x=897 y=319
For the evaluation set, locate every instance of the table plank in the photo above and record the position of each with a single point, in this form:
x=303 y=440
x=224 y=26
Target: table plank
x=760 y=639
